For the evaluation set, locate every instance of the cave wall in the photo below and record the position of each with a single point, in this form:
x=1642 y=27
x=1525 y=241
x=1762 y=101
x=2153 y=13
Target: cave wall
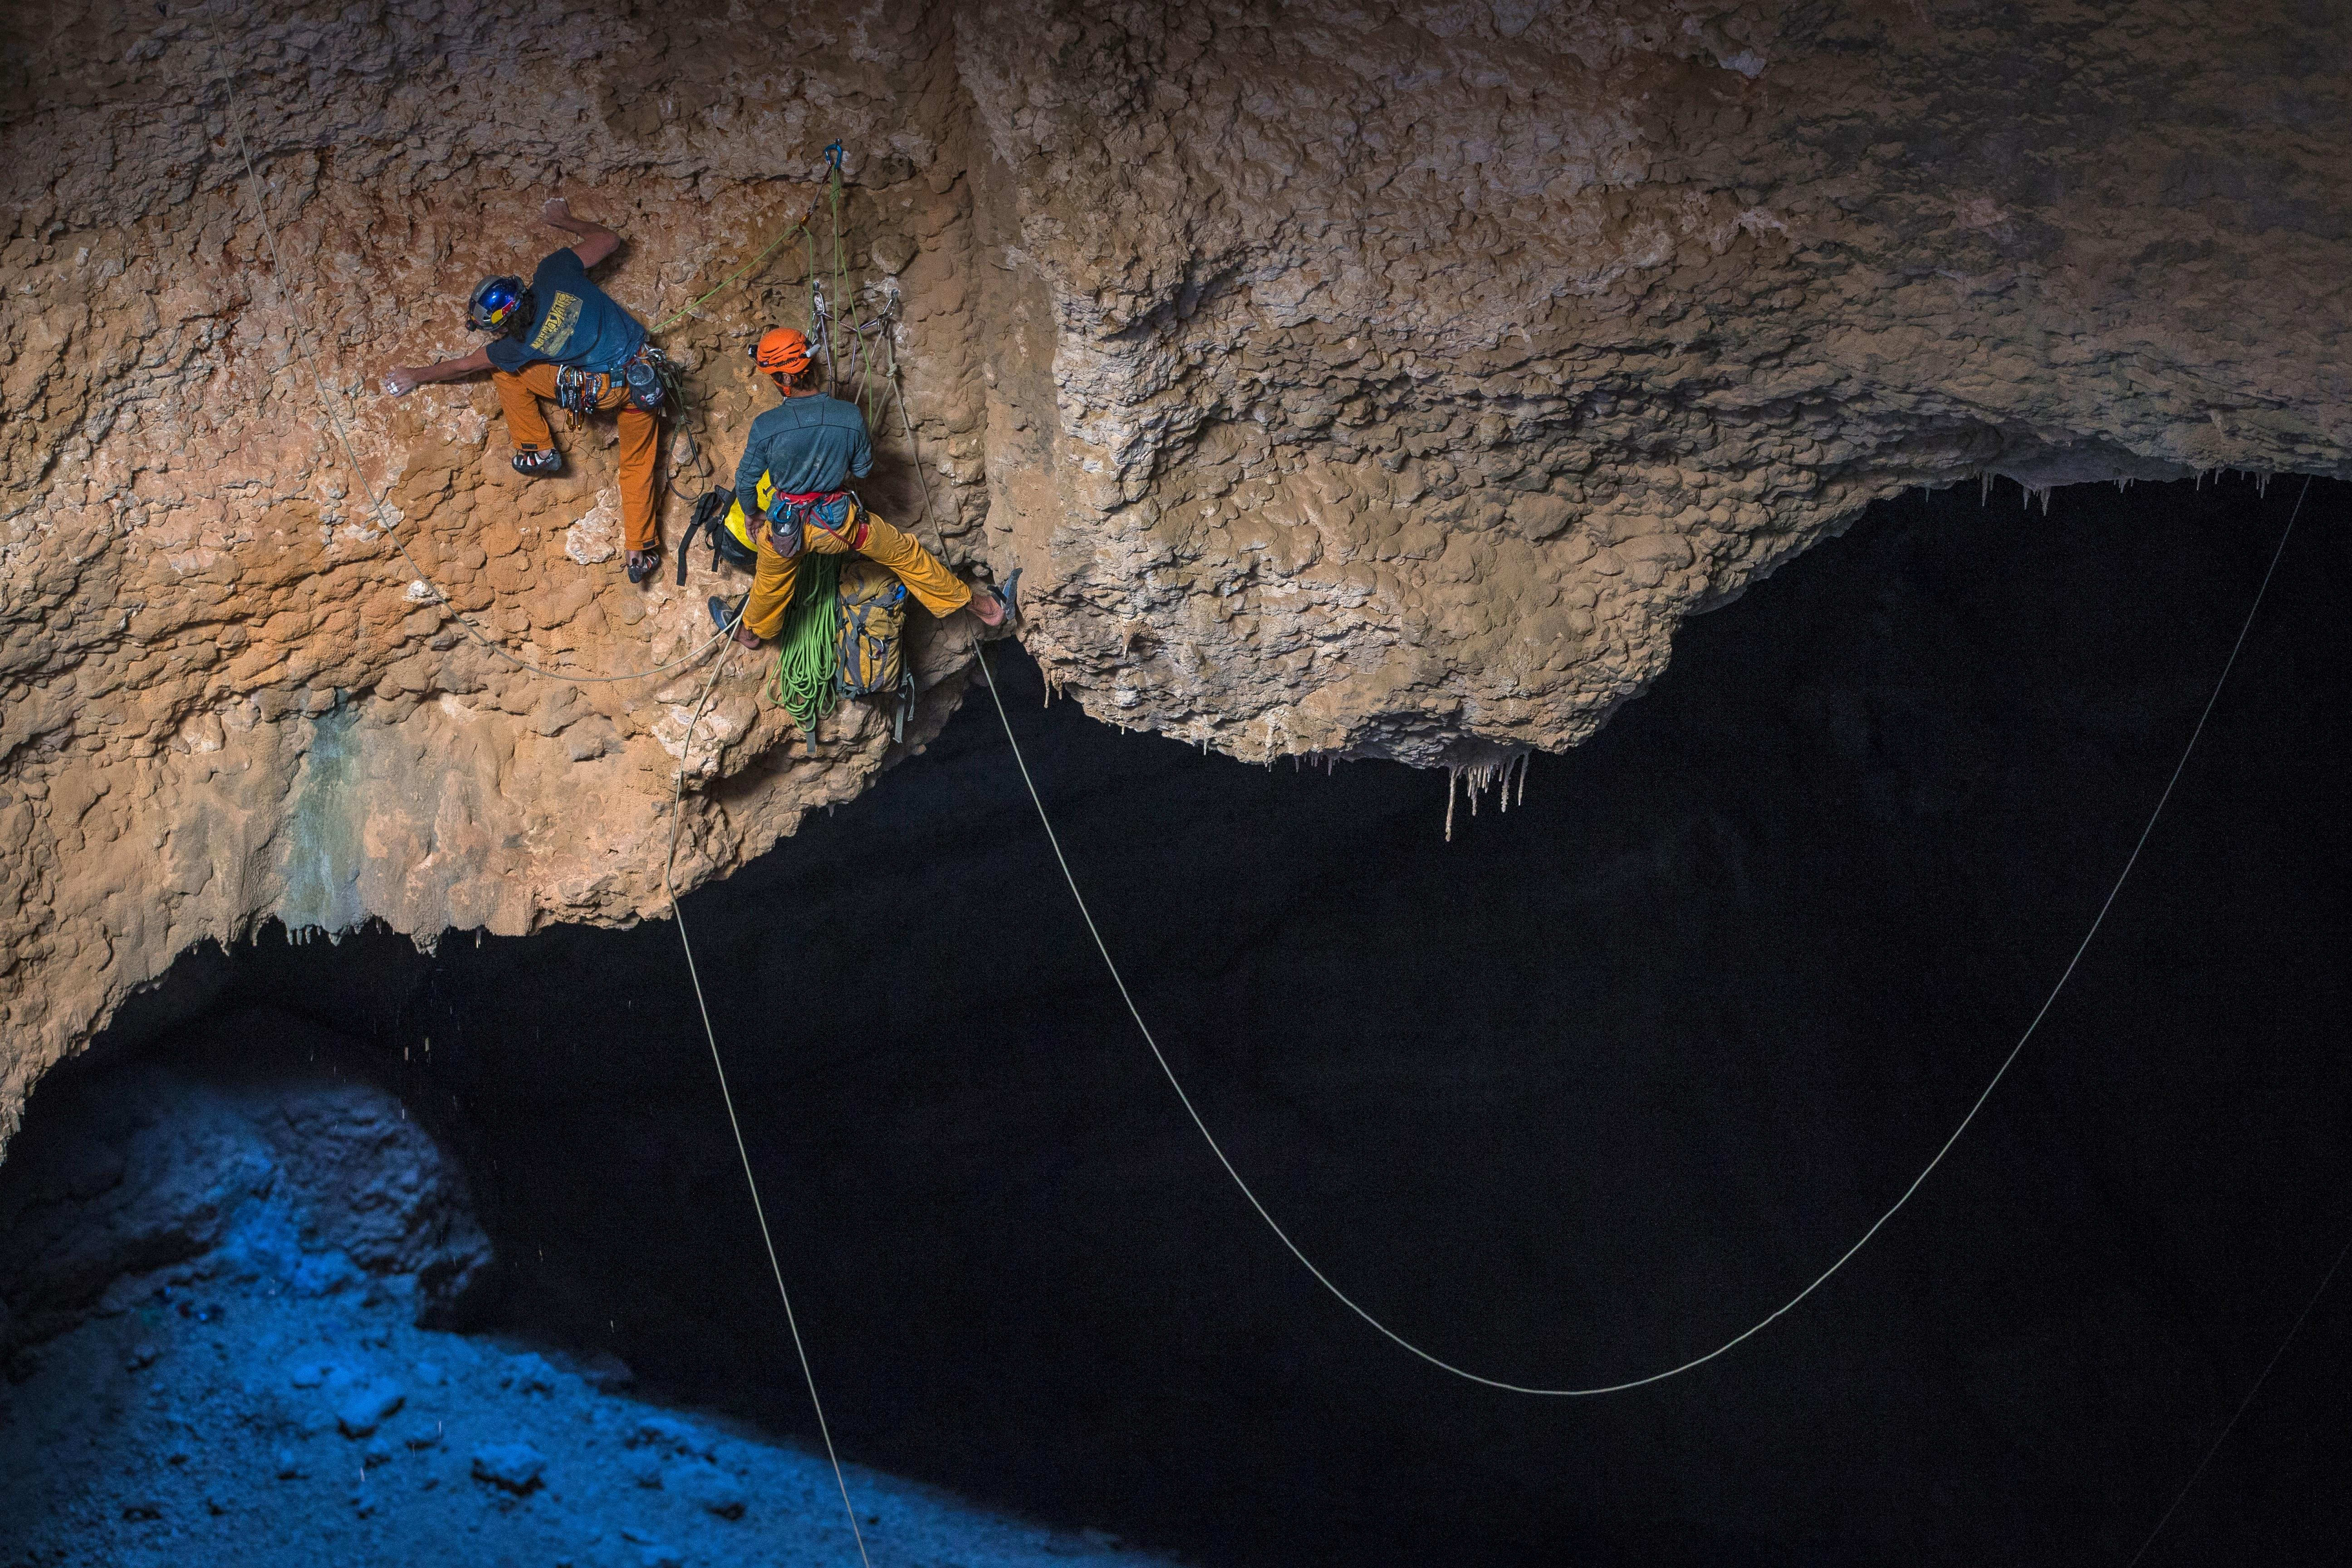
x=1380 y=380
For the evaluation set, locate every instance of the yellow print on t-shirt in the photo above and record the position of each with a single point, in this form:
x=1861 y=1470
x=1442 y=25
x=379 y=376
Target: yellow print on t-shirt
x=556 y=330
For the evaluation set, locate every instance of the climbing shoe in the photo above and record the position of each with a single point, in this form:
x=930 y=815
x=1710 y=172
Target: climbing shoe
x=724 y=614
x=535 y=465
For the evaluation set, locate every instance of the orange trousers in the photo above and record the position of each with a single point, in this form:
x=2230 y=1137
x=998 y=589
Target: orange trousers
x=520 y=391
x=938 y=589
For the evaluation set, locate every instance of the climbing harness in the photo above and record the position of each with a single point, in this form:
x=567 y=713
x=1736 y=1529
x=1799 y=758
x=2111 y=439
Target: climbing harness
x=668 y=866
x=842 y=632
x=384 y=528
x=1777 y=1313
x=652 y=384
x=494 y=306
x=797 y=689
x=724 y=635
x=837 y=512
x=646 y=376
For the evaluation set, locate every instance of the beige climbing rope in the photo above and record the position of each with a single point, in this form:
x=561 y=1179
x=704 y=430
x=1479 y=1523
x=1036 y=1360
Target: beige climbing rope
x=734 y=1123
x=1818 y=1281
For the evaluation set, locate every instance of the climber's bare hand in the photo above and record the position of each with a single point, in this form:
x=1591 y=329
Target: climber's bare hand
x=556 y=213
x=399 y=381
x=987 y=608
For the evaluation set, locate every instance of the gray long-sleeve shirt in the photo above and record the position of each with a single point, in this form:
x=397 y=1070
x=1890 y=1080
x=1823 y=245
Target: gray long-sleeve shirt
x=804 y=445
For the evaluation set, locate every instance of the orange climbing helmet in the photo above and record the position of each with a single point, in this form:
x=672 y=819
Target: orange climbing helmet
x=782 y=350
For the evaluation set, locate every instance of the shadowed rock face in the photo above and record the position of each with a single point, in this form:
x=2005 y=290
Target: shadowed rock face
x=249 y=1161
x=1385 y=382
x=205 y=1265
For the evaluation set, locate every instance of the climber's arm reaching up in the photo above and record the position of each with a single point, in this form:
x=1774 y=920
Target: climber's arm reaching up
x=596 y=242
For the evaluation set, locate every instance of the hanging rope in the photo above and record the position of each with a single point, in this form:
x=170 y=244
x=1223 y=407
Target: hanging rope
x=734 y=1123
x=675 y=317
x=1777 y=1313
x=2231 y=1425
x=678 y=797
x=833 y=156
x=808 y=651
x=799 y=226
x=810 y=240
x=384 y=528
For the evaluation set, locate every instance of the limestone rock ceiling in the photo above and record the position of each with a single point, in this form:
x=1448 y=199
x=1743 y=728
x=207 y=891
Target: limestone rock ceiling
x=1384 y=380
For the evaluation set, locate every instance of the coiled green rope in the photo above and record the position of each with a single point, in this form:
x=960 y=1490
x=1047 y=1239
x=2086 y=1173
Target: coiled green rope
x=808 y=651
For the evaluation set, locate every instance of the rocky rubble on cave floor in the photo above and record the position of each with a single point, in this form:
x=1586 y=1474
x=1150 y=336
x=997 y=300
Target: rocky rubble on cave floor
x=214 y=1273
x=246 y=1422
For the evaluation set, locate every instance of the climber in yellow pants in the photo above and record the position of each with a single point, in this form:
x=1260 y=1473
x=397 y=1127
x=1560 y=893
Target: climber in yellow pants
x=788 y=488
x=938 y=589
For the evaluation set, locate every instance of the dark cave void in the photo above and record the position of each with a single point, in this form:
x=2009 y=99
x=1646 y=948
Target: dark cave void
x=1573 y=1097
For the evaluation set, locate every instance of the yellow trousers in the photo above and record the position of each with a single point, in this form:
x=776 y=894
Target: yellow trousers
x=938 y=589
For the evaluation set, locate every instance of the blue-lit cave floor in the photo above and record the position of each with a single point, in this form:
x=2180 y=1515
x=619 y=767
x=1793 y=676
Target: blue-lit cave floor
x=234 y=1424
x=225 y=1277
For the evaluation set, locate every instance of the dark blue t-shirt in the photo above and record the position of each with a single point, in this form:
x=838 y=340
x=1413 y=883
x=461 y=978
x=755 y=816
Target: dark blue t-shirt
x=575 y=322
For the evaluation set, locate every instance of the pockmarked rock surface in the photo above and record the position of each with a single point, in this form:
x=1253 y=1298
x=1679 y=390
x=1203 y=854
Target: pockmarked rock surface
x=1379 y=381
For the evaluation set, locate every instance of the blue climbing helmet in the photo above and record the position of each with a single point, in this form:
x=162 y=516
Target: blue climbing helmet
x=497 y=304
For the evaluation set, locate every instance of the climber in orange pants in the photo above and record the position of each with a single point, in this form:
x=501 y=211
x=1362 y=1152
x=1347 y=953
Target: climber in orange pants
x=561 y=337
x=518 y=394
x=789 y=482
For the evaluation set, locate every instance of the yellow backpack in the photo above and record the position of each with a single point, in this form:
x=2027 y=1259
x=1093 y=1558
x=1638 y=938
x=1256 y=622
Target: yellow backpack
x=872 y=620
x=740 y=525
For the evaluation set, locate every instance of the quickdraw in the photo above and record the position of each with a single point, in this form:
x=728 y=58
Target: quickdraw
x=578 y=390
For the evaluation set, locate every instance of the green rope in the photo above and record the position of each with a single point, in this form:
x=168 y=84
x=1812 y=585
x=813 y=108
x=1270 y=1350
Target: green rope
x=696 y=303
x=808 y=650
